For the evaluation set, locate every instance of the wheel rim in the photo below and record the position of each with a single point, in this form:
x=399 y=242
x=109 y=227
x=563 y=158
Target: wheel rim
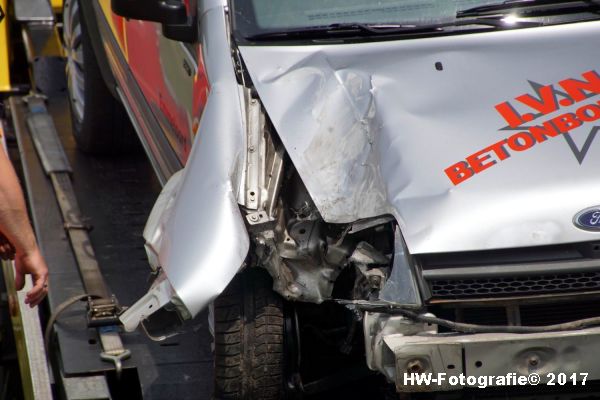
x=75 y=64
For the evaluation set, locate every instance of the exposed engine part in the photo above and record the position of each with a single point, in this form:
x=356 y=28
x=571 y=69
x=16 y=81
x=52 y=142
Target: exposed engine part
x=304 y=265
x=365 y=254
x=305 y=255
x=289 y=238
x=369 y=279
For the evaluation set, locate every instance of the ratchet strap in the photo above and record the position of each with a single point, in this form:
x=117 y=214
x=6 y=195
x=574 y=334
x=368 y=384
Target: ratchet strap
x=102 y=306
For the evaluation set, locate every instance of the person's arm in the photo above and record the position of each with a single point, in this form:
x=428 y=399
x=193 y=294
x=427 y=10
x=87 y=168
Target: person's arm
x=18 y=235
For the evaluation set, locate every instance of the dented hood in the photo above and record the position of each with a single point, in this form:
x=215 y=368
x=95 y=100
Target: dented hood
x=472 y=142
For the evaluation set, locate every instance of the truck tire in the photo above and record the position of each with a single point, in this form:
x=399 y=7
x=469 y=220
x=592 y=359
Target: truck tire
x=99 y=121
x=249 y=339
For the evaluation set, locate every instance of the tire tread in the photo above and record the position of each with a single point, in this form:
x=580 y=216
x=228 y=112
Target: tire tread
x=250 y=314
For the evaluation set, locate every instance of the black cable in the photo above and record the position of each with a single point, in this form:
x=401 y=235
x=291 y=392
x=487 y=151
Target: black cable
x=59 y=310
x=472 y=328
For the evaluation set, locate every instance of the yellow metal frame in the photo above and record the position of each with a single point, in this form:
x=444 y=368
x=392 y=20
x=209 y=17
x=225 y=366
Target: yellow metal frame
x=53 y=46
x=4 y=51
x=56 y=5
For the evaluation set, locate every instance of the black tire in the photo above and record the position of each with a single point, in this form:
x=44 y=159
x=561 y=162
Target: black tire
x=100 y=125
x=249 y=339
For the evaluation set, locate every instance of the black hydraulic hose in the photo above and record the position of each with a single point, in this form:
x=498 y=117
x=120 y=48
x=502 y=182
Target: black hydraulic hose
x=472 y=328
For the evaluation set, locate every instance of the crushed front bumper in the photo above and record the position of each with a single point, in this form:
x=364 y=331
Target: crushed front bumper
x=485 y=354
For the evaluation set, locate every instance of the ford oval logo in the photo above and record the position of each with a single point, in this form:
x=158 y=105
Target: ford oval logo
x=588 y=219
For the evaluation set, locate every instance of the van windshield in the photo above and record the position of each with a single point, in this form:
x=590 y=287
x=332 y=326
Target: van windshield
x=297 y=13
x=253 y=18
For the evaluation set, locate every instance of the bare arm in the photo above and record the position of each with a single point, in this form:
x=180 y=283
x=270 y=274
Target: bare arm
x=19 y=237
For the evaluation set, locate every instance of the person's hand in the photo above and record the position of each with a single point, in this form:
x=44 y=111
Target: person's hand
x=32 y=263
x=7 y=250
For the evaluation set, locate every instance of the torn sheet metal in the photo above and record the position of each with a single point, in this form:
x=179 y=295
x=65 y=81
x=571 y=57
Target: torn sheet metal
x=197 y=234
x=376 y=128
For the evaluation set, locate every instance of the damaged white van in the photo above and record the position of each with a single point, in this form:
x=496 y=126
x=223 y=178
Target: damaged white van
x=407 y=185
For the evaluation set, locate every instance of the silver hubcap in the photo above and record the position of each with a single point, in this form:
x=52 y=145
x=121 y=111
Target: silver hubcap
x=74 y=51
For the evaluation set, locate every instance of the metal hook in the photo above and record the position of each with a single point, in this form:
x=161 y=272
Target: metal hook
x=158 y=338
x=117 y=360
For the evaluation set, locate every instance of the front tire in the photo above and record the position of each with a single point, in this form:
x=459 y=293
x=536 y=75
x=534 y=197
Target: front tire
x=249 y=339
x=100 y=124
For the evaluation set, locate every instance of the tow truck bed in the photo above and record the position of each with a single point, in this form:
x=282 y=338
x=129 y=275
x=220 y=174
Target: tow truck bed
x=115 y=196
